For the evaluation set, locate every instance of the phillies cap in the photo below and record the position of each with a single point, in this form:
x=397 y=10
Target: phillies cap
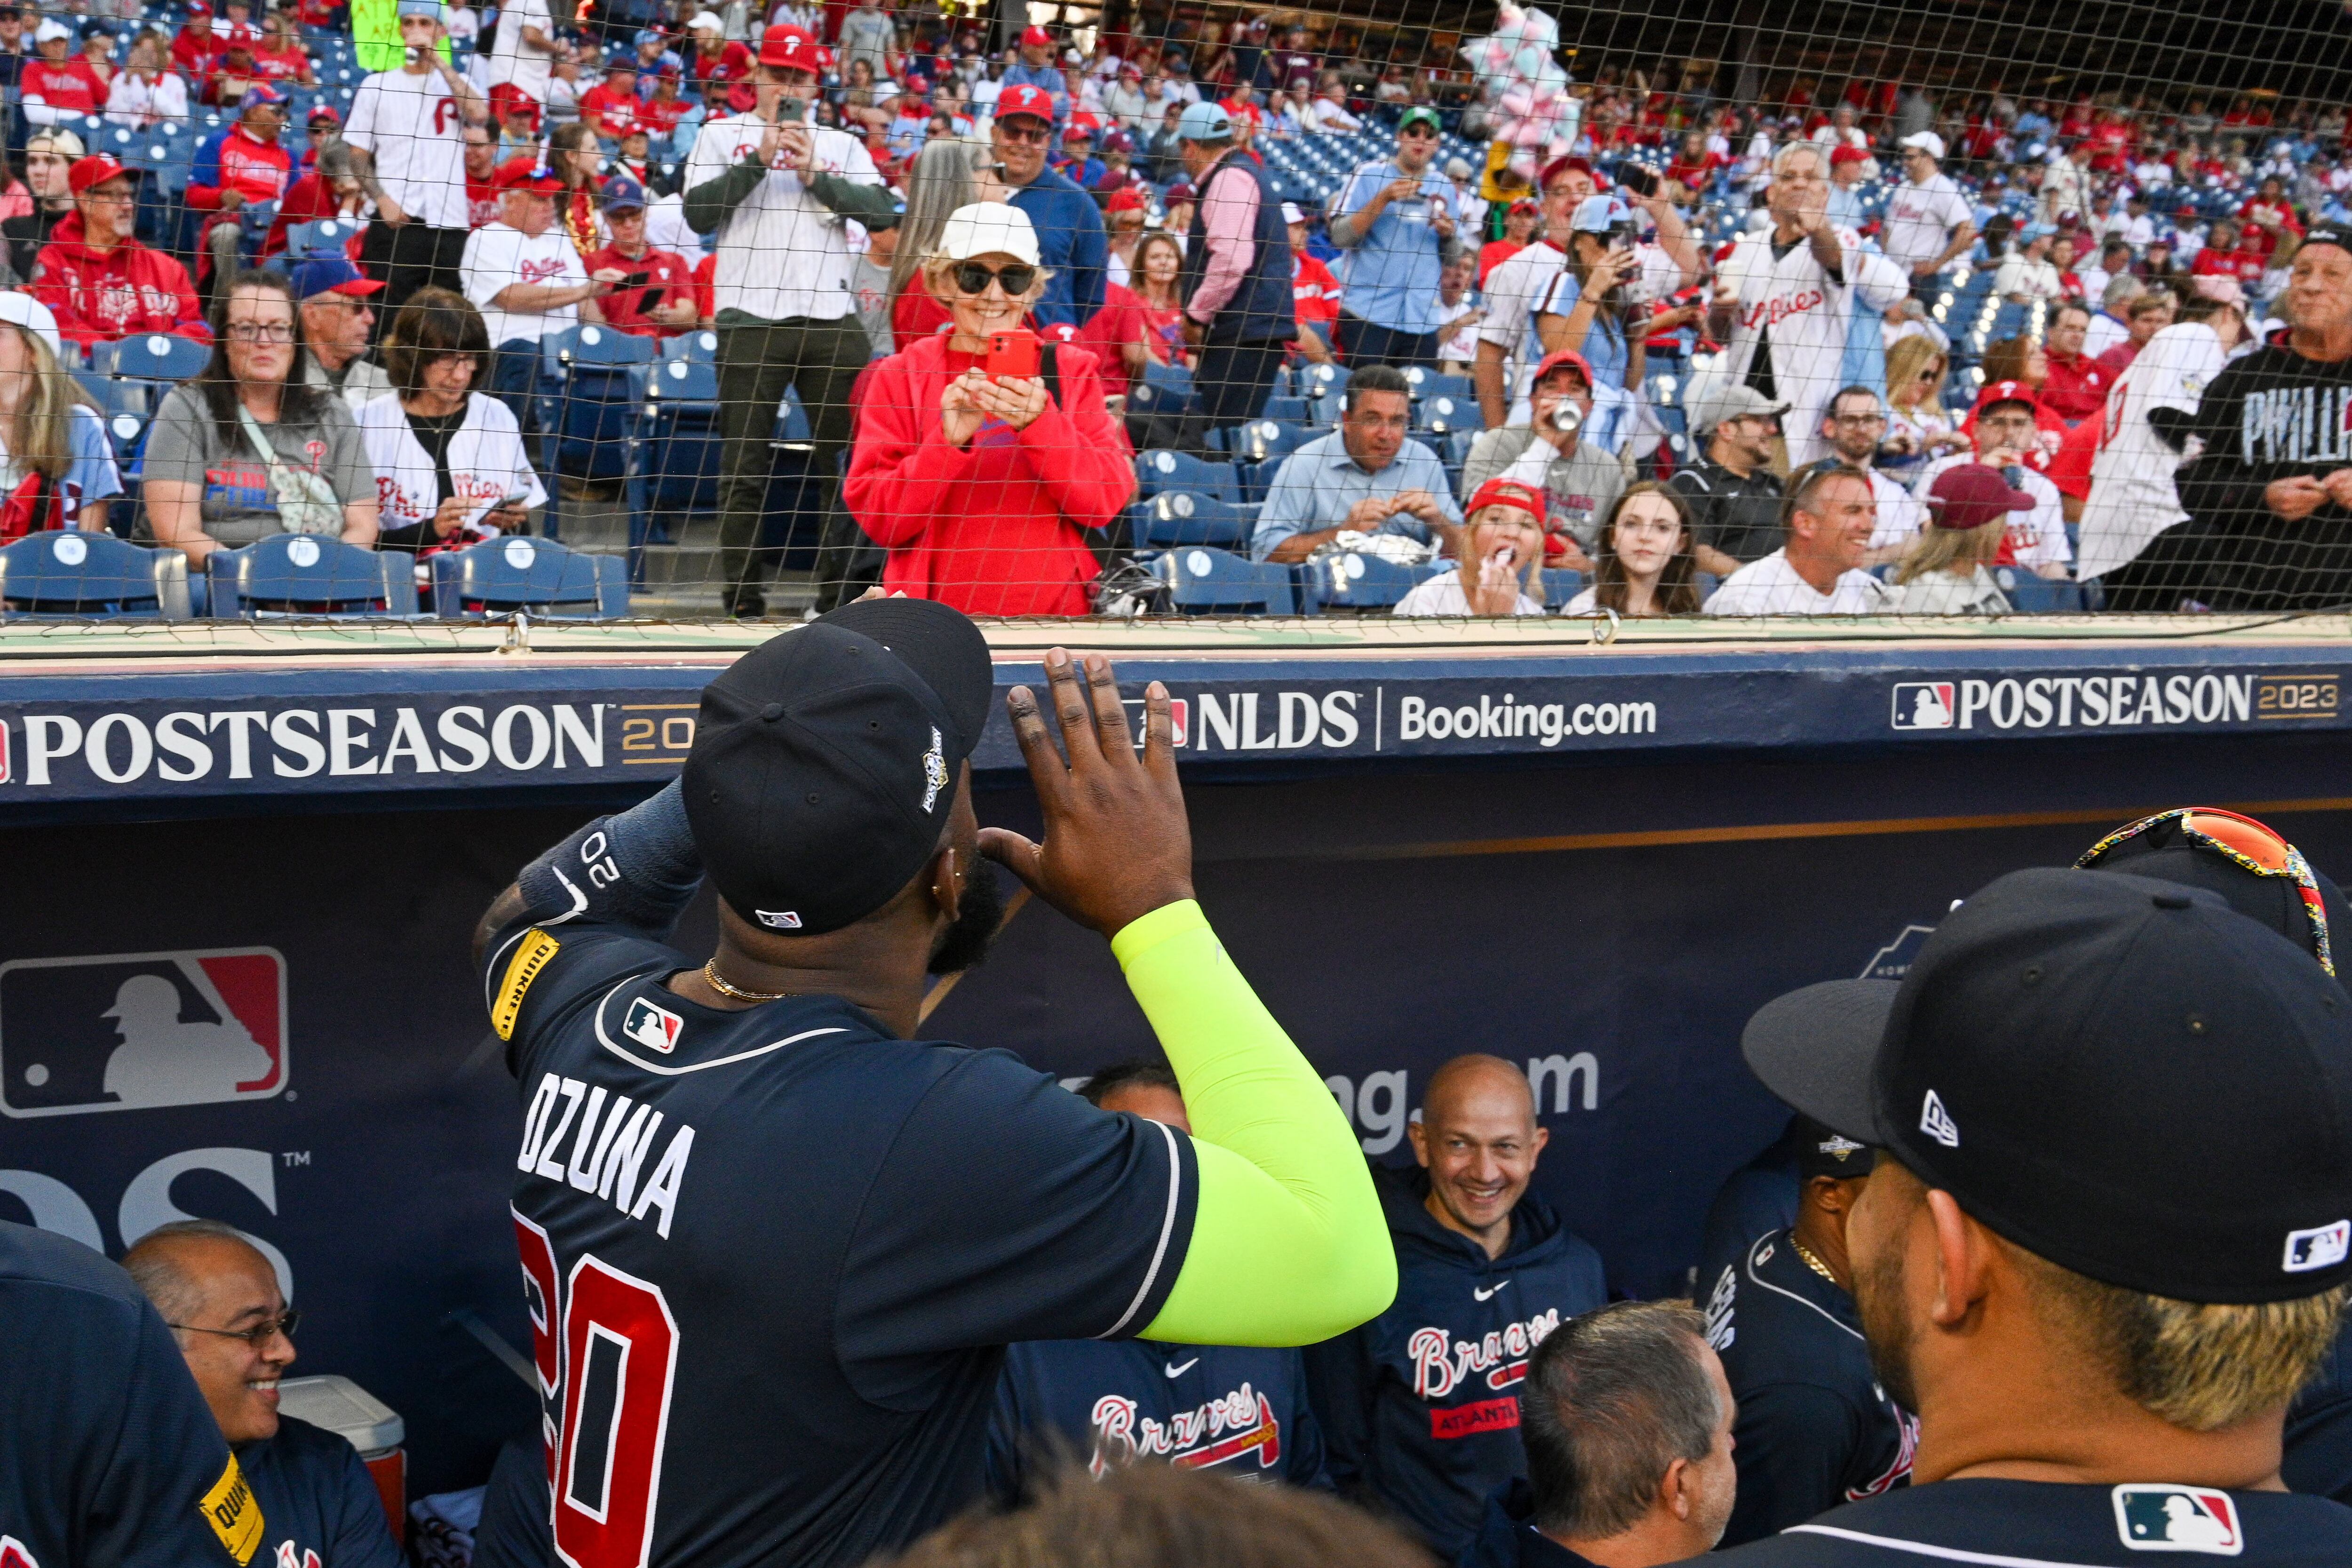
x=792 y=48
x=1847 y=152
x=526 y=173
x=51 y=28
x=1500 y=491
x=331 y=272
x=324 y=115
x=1560 y=358
x=2005 y=392
x=94 y=169
x=2121 y=1075
x=1034 y=101
x=1126 y=199
x=1824 y=1153
x=623 y=194
x=1561 y=165
x=1204 y=121
x=825 y=760
x=1036 y=38
x=1291 y=215
x=1969 y=495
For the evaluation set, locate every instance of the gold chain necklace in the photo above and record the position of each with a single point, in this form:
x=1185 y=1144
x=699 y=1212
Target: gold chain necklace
x=1815 y=1264
x=711 y=973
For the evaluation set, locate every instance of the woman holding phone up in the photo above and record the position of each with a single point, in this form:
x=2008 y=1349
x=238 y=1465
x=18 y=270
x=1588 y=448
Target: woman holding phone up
x=449 y=461
x=984 y=461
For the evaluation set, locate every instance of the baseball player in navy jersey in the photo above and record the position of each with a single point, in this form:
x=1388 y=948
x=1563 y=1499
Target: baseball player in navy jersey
x=1241 y=1411
x=2109 y=1230
x=108 y=1456
x=1815 y=1429
x=773 y=1244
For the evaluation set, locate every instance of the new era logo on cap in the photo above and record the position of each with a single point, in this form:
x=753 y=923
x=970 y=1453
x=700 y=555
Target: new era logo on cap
x=2155 y=1518
x=655 y=1028
x=1936 y=1123
x=2321 y=1246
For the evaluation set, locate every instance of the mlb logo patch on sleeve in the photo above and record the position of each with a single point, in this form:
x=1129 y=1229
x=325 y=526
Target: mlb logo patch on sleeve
x=655 y=1028
x=2153 y=1517
x=136 y=1031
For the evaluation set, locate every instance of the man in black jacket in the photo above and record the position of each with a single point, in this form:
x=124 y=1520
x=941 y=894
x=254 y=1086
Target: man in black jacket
x=1420 y=1407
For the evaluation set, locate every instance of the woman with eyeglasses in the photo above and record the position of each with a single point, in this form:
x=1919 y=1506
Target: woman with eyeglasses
x=984 y=488
x=244 y=449
x=1918 y=427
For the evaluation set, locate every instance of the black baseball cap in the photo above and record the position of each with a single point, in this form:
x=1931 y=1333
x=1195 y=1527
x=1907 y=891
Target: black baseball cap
x=2327 y=234
x=2188 y=846
x=1825 y=1152
x=2122 y=1075
x=825 y=760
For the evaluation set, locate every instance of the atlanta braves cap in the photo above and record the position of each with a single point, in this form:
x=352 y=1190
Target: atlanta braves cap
x=826 y=761
x=2121 y=1075
x=1821 y=1152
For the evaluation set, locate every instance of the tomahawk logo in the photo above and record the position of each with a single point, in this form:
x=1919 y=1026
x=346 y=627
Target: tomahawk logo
x=140 y=1030
x=655 y=1028
x=15 y=1554
x=288 y=1558
x=1936 y=1123
x=1922 y=705
x=2179 y=1519
x=2323 y=1246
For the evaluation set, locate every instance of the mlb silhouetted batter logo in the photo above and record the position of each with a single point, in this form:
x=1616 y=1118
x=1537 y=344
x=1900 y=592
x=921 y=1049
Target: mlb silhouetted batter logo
x=2179 y=1519
x=140 y=1031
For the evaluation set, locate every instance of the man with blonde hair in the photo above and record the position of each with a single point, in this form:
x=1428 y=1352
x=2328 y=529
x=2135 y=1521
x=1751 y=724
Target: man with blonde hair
x=2109 y=1230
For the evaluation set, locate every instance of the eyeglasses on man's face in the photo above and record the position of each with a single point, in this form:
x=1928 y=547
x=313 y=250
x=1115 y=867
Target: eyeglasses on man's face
x=258 y=1335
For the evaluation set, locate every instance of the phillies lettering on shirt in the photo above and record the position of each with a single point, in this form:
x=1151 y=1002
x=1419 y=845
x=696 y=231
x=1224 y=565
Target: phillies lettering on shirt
x=2296 y=425
x=1777 y=308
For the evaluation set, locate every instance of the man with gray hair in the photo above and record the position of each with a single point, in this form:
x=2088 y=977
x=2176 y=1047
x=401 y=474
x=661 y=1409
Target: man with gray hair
x=220 y=1297
x=1627 y=1422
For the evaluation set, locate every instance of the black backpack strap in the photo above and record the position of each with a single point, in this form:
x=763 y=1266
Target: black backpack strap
x=1052 y=370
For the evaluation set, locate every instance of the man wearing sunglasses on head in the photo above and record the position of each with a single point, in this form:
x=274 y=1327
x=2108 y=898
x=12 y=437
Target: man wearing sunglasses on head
x=219 y=1294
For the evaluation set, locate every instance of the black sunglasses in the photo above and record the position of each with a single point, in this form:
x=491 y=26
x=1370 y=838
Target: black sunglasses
x=974 y=278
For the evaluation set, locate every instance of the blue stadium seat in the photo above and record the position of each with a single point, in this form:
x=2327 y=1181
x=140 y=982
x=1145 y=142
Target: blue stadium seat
x=124 y=406
x=676 y=470
x=1202 y=581
x=1287 y=408
x=67 y=572
x=1174 y=518
x=1262 y=440
x=150 y=356
x=695 y=345
x=1160 y=469
x=326 y=234
x=597 y=381
x=1164 y=389
x=1444 y=413
x=1428 y=384
x=1316 y=379
x=309 y=575
x=1361 y=582
x=535 y=574
x=2031 y=595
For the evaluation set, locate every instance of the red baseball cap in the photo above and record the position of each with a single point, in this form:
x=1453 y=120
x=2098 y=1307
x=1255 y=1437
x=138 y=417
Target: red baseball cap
x=1971 y=495
x=1559 y=358
x=1847 y=152
x=1037 y=38
x=1560 y=166
x=1126 y=199
x=792 y=48
x=1507 y=492
x=94 y=169
x=1034 y=101
x=526 y=173
x=2005 y=392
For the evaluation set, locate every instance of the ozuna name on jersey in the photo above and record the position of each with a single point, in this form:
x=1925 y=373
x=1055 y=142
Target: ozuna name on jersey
x=609 y=1139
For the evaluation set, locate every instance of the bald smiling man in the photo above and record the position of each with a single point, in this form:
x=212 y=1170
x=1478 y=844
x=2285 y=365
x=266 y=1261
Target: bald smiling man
x=1419 y=1407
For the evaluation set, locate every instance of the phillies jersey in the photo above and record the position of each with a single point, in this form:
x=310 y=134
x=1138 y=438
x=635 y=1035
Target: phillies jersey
x=1239 y=1411
x=1806 y=316
x=2048 y=1524
x=108 y=1455
x=771 y=1257
x=1814 y=1429
x=232 y=161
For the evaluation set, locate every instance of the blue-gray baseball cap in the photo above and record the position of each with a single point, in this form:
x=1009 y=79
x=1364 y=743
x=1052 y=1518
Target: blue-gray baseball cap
x=331 y=272
x=1205 y=123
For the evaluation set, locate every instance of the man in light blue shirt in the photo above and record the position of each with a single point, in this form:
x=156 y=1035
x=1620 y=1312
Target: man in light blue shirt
x=1395 y=230
x=1366 y=477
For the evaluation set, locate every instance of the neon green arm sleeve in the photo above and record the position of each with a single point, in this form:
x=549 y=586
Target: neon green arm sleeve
x=1289 y=1247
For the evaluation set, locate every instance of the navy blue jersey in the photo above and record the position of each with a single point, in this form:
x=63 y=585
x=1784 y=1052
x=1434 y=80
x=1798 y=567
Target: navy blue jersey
x=1419 y=1407
x=513 y=1531
x=2042 y=1524
x=1760 y=1197
x=1240 y=1410
x=773 y=1256
x=1507 y=1536
x=321 y=1505
x=108 y=1454
x=1814 y=1428
x=2318 y=1456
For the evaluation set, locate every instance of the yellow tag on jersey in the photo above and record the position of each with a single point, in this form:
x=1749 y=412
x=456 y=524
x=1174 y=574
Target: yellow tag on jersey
x=235 y=1514
x=530 y=956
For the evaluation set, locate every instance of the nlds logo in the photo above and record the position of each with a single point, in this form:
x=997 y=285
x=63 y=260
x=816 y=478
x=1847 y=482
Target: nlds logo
x=655 y=1028
x=140 y=1030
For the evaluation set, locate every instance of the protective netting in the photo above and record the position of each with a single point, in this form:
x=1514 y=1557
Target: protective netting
x=665 y=311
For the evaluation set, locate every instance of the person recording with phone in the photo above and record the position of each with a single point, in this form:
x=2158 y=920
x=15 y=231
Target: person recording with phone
x=984 y=458
x=411 y=124
x=1590 y=307
x=777 y=192
x=654 y=295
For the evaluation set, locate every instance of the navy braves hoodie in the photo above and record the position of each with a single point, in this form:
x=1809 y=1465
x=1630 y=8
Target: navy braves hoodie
x=1420 y=1407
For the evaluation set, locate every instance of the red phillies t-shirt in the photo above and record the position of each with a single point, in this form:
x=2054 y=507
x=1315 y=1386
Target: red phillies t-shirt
x=1314 y=292
x=612 y=112
x=661 y=118
x=1119 y=324
x=670 y=281
x=67 y=84
x=481 y=202
x=281 y=65
x=706 y=287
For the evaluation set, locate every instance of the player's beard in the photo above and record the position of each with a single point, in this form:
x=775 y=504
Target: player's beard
x=1878 y=1297
x=965 y=944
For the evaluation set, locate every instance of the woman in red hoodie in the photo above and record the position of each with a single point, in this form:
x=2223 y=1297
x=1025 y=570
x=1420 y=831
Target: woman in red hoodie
x=982 y=489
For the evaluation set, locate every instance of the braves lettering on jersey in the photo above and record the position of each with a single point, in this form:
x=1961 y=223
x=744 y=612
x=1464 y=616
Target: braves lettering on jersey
x=1420 y=1407
x=2044 y=1525
x=1242 y=1411
x=321 y=1504
x=1814 y=1429
x=112 y=1457
x=769 y=1288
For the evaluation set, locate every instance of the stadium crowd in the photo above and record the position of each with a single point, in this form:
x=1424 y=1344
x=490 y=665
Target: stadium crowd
x=1783 y=334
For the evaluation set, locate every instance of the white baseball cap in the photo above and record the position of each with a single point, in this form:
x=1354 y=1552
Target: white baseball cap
x=1927 y=142
x=1290 y=213
x=51 y=28
x=20 y=308
x=989 y=228
x=706 y=22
